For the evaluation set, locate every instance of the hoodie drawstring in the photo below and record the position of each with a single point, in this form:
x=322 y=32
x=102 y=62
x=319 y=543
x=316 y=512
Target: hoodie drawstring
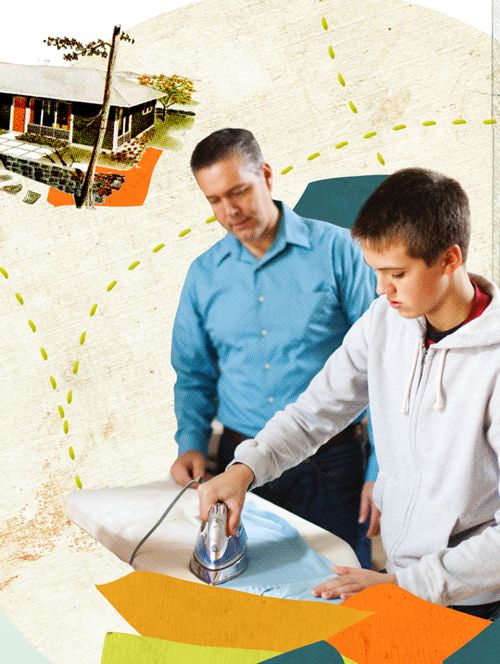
x=439 y=403
x=406 y=398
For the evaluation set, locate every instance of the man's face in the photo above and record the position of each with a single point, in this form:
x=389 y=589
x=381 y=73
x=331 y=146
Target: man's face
x=411 y=286
x=240 y=197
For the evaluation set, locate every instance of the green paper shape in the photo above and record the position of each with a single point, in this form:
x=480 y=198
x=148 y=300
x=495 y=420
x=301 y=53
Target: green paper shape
x=483 y=649
x=337 y=200
x=14 y=648
x=319 y=652
x=132 y=649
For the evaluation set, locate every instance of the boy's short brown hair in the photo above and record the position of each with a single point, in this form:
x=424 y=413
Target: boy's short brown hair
x=427 y=210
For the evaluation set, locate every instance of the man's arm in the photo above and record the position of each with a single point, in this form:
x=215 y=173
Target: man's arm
x=195 y=363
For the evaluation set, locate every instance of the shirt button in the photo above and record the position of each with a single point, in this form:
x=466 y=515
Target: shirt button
x=263 y=333
x=270 y=399
x=261 y=298
x=267 y=365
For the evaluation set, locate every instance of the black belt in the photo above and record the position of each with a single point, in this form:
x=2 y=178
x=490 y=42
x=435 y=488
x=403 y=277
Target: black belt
x=350 y=432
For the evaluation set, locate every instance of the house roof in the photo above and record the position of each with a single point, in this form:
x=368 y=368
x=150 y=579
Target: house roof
x=72 y=84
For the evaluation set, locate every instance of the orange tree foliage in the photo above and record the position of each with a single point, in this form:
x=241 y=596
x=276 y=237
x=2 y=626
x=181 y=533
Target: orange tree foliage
x=177 y=89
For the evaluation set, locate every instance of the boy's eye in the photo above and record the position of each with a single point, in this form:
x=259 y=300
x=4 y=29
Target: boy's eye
x=398 y=275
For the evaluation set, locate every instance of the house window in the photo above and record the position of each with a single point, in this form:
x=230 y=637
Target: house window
x=123 y=118
x=50 y=113
x=147 y=109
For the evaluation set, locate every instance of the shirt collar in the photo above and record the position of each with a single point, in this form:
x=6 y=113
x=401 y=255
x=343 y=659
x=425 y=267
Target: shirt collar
x=291 y=230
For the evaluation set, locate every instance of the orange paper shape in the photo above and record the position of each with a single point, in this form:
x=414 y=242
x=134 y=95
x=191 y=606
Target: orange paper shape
x=161 y=606
x=133 y=191
x=403 y=628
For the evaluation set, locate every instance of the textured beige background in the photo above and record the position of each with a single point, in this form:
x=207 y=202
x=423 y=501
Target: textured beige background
x=262 y=64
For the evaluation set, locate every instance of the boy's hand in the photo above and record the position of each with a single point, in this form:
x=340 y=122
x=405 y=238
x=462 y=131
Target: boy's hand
x=229 y=487
x=351 y=580
x=367 y=508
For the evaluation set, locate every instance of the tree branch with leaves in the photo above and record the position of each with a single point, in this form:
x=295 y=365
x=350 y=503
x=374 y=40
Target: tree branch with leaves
x=177 y=89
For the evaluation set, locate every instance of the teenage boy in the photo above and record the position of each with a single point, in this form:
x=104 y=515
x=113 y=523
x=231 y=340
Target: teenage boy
x=428 y=354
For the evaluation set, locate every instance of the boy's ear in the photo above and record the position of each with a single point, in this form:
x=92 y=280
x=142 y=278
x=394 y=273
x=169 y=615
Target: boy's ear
x=453 y=259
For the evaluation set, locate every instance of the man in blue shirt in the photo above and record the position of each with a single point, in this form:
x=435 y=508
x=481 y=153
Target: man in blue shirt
x=259 y=314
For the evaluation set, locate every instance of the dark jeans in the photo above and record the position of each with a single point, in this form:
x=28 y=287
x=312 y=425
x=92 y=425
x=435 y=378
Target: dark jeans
x=325 y=489
x=486 y=611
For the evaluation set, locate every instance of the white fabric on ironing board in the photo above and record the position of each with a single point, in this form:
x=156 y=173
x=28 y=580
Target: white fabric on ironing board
x=120 y=517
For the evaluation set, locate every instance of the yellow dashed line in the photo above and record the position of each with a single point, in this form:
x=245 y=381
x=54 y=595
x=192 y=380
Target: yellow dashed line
x=211 y=219
x=71 y=453
x=341 y=79
x=324 y=23
x=341 y=145
x=399 y=127
x=429 y=123
x=4 y=272
x=370 y=134
x=111 y=285
x=286 y=170
x=76 y=364
x=19 y=298
x=380 y=158
x=43 y=353
x=459 y=121
x=53 y=382
x=312 y=156
x=158 y=248
x=133 y=265
x=352 y=106
x=78 y=482
x=184 y=232
x=490 y=121
x=331 y=52
x=65 y=426
x=61 y=412
x=93 y=309
x=32 y=326
x=69 y=397
x=83 y=336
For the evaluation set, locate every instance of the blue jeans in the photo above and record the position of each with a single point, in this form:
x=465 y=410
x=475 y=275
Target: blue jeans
x=324 y=489
x=486 y=611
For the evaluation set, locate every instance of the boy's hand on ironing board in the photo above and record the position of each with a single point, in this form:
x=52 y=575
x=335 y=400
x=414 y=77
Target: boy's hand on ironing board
x=230 y=488
x=351 y=580
x=367 y=509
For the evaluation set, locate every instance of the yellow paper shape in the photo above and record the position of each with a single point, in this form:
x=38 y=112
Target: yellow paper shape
x=161 y=606
x=133 y=649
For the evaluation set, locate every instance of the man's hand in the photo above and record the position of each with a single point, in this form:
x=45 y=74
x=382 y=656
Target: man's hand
x=351 y=580
x=367 y=508
x=189 y=466
x=229 y=487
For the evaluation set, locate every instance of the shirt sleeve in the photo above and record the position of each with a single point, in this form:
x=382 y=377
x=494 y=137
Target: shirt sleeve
x=195 y=362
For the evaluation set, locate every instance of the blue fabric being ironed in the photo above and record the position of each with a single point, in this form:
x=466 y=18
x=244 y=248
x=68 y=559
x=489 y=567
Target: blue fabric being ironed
x=281 y=564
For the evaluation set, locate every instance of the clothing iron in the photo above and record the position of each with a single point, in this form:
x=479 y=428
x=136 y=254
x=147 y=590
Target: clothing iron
x=217 y=556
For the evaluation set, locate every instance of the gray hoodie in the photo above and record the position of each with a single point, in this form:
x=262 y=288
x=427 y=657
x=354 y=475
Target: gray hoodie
x=436 y=422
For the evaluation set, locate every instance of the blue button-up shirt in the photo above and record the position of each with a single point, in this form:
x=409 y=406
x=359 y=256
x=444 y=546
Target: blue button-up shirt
x=251 y=333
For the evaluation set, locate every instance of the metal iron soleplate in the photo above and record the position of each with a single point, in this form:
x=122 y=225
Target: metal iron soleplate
x=214 y=577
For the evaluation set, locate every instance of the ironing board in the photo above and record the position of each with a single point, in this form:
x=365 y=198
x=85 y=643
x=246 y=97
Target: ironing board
x=120 y=517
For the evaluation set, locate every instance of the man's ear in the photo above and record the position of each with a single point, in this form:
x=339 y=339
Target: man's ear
x=452 y=259
x=267 y=172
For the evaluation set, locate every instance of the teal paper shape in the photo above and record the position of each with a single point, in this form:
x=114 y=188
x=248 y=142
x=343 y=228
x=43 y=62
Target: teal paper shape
x=14 y=648
x=337 y=200
x=319 y=652
x=483 y=649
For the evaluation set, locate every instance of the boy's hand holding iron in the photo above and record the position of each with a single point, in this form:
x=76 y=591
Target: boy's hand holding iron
x=230 y=488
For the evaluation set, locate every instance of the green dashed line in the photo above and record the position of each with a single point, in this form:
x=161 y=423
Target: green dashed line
x=313 y=156
x=43 y=353
x=331 y=52
x=184 y=232
x=32 y=326
x=65 y=426
x=399 y=127
x=324 y=23
x=211 y=219
x=71 y=453
x=83 y=336
x=352 y=106
x=158 y=248
x=287 y=170
x=111 y=285
x=341 y=79
x=78 y=482
x=19 y=297
x=61 y=412
x=341 y=145
x=429 y=123
x=93 y=309
x=53 y=382
x=76 y=364
x=69 y=397
x=459 y=121
x=4 y=272
x=489 y=121
x=370 y=134
x=380 y=158
x=133 y=265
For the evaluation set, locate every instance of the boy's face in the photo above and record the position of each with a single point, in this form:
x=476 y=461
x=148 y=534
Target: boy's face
x=411 y=286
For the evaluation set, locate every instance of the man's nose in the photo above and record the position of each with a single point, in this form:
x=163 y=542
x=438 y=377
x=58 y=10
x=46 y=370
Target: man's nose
x=229 y=208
